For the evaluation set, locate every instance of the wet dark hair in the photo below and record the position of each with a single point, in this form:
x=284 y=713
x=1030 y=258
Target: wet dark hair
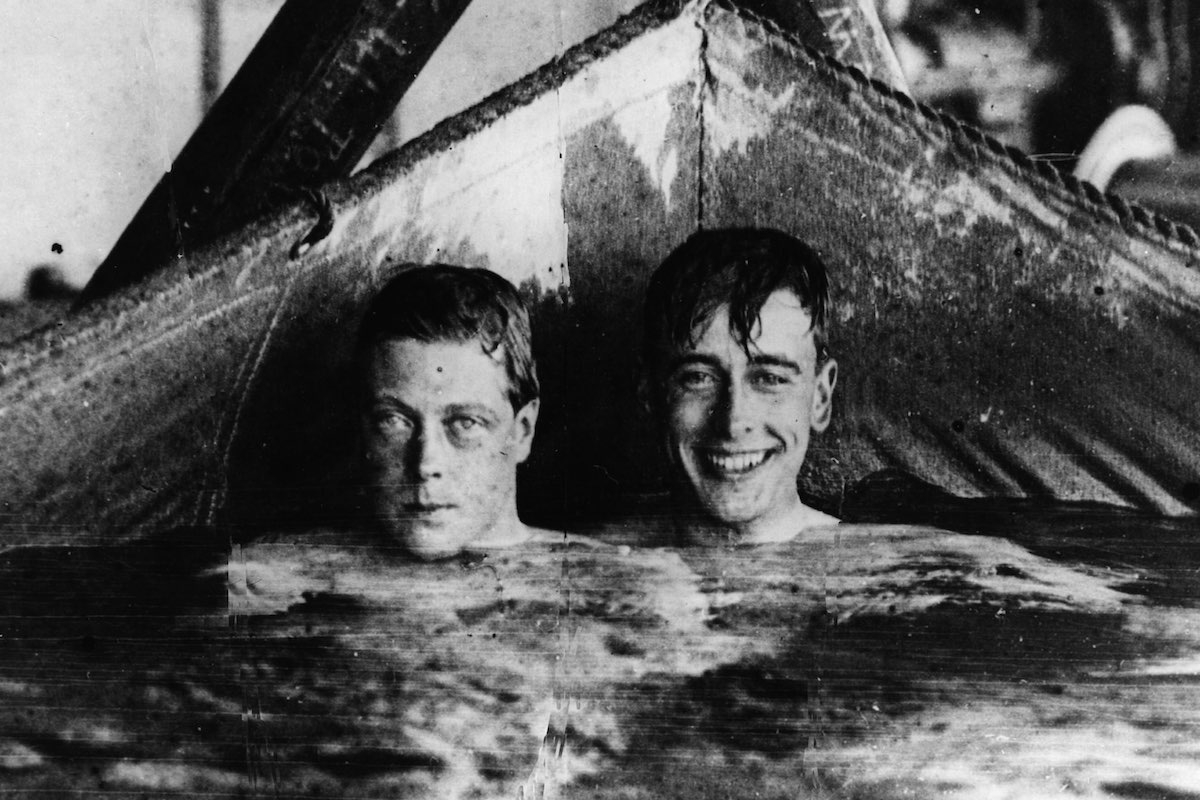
x=738 y=266
x=442 y=303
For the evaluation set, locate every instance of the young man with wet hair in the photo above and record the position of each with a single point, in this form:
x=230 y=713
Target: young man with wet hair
x=737 y=376
x=450 y=403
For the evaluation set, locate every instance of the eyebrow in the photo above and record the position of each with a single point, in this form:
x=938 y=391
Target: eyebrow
x=768 y=360
x=692 y=359
x=478 y=409
x=757 y=360
x=390 y=401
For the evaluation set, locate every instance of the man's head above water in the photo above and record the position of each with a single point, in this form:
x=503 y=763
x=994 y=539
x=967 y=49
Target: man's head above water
x=737 y=375
x=450 y=403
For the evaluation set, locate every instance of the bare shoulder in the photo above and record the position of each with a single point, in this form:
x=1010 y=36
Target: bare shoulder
x=574 y=541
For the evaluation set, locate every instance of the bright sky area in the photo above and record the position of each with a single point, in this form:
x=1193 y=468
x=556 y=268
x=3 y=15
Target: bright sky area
x=99 y=96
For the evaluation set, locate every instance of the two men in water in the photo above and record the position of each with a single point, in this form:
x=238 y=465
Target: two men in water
x=735 y=374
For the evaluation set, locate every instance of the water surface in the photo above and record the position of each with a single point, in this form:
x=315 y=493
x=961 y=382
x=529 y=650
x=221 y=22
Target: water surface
x=864 y=661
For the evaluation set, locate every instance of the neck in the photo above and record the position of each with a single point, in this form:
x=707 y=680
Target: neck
x=508 y=531
x=696 y=527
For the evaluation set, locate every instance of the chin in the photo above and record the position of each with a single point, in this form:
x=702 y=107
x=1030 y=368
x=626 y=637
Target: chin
x=428 y=548
x=427 y=543
x=730 y=507
x=734 y=513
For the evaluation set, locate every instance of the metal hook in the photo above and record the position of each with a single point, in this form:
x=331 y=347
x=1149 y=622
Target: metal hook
x=322 y=228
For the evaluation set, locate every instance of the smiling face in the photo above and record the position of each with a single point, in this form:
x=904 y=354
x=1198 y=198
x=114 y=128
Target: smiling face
x=737 y=423
x=443 y=443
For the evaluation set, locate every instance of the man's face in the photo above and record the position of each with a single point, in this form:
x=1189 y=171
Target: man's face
x=443 y=442
x=737 y=424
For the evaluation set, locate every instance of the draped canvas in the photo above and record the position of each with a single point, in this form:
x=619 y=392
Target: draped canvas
x=1001 y=330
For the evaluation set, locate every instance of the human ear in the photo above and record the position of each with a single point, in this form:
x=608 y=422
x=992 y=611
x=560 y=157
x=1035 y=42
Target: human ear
x=822 y=401
x=524 y=426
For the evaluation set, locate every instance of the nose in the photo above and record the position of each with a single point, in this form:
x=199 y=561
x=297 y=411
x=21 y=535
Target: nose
x=734 y=415
x=428 y=454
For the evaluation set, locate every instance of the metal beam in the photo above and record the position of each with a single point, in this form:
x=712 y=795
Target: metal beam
x=302 y=110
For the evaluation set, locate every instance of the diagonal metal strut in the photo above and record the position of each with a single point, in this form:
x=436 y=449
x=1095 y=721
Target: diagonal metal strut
x=304 y=107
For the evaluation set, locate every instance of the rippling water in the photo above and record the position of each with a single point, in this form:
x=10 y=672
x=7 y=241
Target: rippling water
x=865 y=661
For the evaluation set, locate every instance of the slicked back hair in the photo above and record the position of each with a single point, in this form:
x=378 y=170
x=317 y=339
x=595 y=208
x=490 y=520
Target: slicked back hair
x=739 y=266
x=442 y=303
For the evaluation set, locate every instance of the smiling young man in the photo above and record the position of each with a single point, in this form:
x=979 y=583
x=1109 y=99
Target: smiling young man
x=450 y=406
x=737 y=377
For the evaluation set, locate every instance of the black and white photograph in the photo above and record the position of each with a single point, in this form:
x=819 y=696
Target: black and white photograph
x=616 y=399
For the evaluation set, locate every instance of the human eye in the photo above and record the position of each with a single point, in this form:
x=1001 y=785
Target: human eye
x=770 y=379
x=465 y=427
x=694 y=379
x=391 y=421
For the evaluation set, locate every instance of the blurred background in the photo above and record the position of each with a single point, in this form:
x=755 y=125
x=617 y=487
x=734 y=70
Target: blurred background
x=100 y=95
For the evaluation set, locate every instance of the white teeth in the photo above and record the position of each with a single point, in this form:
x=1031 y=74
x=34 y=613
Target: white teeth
x=736 y=463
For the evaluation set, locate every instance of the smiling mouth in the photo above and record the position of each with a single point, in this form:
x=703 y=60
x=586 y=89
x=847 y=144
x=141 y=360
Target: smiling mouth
x=733 y=465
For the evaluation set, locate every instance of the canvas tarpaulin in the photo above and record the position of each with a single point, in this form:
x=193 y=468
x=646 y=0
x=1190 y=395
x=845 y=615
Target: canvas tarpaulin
x=1000 y=329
